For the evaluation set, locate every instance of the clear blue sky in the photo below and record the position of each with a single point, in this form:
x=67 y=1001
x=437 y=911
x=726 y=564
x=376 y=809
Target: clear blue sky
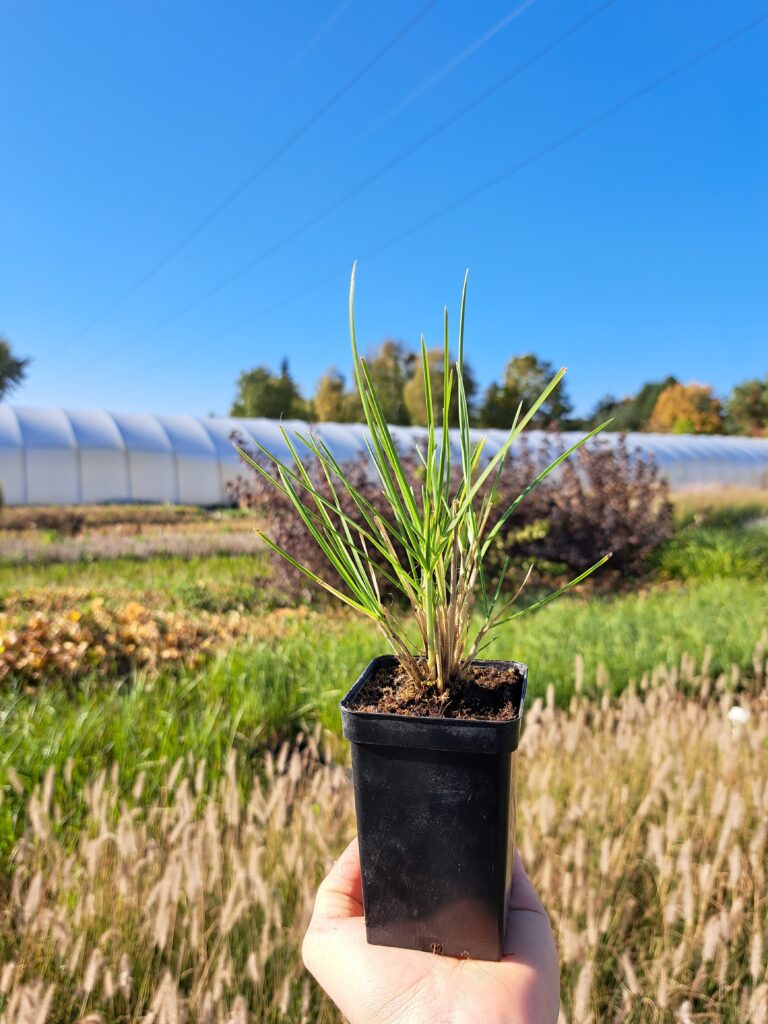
x=637 y=249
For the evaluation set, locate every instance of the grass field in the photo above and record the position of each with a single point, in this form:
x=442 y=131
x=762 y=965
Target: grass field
x=642 y=821
x=126 y=668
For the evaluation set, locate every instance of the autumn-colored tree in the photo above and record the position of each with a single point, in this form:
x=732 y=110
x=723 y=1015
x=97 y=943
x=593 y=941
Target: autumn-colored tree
x=525 y=377
x=630 y=413
x=332 y=403
x=747 y=408
x=687 y=409
x=390 y=367
x=413 y=392
x=329 y=397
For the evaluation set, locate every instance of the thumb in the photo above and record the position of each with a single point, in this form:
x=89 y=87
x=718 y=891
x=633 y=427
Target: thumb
x=340 y=895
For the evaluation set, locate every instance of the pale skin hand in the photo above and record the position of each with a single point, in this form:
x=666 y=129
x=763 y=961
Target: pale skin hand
x=384 y=985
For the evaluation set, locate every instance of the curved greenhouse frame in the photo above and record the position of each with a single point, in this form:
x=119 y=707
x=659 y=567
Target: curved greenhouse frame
x=55 y=457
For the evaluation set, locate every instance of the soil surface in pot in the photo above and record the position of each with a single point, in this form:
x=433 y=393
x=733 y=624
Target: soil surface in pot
x=486 y=692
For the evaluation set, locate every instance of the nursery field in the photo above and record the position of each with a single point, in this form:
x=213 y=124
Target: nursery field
x=173 y=786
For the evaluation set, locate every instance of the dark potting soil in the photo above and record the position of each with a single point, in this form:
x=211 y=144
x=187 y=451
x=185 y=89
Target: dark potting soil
x=486 y=692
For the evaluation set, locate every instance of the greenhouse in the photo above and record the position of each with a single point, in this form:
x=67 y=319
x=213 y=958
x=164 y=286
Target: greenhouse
x=57 y=457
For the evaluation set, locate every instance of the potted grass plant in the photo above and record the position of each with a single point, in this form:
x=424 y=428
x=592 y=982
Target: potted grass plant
x=433 y=728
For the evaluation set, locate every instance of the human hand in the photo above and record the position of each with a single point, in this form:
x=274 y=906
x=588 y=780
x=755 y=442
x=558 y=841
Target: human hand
x=385 y=985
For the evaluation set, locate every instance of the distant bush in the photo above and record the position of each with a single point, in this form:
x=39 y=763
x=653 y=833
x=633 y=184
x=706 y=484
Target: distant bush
x=601 y=500
x=712 y=552
x=56 y=645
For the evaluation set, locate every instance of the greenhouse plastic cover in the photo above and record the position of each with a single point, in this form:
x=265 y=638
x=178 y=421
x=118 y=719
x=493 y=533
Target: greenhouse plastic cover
x=49 y=456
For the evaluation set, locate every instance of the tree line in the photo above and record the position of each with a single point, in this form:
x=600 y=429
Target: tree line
x=665 y=406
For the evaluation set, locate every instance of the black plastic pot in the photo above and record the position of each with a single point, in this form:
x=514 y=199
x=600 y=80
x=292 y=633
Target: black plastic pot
x=435 y=801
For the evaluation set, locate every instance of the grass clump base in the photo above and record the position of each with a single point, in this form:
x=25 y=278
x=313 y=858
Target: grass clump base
x=486 y=691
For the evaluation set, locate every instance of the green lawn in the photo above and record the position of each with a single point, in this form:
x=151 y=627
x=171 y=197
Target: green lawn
x=213 y=583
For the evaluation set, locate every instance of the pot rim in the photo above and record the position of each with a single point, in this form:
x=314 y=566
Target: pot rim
x=418 y=731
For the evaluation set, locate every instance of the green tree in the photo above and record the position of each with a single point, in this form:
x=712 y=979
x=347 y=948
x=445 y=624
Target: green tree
x=413 y=392
x=262 y=393
x=525 y=377
x=747 y=408
x=12 y=369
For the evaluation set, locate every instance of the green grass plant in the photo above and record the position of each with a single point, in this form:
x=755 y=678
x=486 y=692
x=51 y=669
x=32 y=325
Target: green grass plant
x=212 y=583
x=712 y=552
x=431 y=548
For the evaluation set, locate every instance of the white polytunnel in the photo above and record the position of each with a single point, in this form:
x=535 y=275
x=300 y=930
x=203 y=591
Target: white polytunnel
x=57 y=457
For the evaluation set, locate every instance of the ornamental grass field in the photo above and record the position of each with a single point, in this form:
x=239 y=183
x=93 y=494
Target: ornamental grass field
x=643 y=821
x=173 y=784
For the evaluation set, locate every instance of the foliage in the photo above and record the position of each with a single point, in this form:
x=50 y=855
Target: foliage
x=443 y=537
x=525 y=377
x=274 y=507
x=632 y=413
x=390 y=366
x=183 y=904
x=13 y=370
x=332 y=403
x=747 y=408
x=179 y=890
x=53 y=645
x=686 y=409
x=413 y=392
x=262 y=393
x=711 y=552
x=602 y=500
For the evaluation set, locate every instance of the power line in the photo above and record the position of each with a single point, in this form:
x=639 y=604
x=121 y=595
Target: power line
x=250 y=179
x=361 y=186
x=446 y=69
x=303 y=53
x=558 y=143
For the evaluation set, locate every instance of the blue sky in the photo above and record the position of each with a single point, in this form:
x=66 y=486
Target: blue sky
x=636 y=249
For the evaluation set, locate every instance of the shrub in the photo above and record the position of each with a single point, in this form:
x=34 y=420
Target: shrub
x=602 y=499
x=708 y=552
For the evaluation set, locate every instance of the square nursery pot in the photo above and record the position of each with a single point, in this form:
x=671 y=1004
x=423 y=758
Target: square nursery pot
x=435 y=801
